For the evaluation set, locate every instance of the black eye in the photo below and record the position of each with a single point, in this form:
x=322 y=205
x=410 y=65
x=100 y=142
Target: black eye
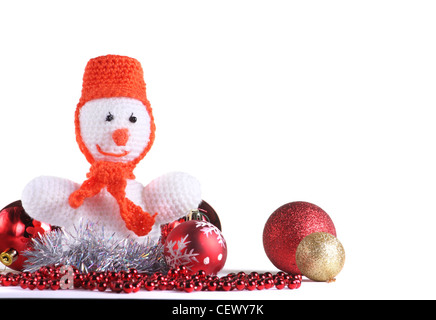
x=109 y=117
x=132 y=118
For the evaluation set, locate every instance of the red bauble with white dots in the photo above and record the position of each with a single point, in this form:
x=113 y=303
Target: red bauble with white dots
x=197 y=245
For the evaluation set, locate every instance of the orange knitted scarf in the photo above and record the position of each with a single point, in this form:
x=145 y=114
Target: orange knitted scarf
x=113 y=175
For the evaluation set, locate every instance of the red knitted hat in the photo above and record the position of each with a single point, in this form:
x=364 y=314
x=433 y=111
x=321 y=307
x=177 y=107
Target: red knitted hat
x=113 y=76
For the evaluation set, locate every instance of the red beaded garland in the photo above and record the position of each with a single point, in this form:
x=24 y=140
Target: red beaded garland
x=132 y=281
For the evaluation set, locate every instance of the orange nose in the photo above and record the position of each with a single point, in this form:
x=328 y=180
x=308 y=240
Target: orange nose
x=120 y=136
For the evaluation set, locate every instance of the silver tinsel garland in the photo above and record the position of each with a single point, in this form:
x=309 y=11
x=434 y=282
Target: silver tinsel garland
x=90 y=249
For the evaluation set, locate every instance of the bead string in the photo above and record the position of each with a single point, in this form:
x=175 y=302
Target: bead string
x=179 y=279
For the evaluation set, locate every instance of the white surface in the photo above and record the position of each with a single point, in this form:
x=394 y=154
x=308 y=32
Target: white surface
x=265 y=102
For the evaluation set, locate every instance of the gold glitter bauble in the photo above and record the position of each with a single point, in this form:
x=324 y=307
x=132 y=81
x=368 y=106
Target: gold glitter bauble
x=320 y=256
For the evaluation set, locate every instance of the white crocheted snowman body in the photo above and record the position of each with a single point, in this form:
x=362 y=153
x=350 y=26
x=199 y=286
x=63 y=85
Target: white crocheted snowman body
x=113 y=130
x=172 y=196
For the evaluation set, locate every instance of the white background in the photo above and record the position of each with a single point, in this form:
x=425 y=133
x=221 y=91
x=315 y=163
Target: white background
x=265 y=102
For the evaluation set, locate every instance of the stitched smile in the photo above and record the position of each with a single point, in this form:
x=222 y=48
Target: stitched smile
x=122 y=154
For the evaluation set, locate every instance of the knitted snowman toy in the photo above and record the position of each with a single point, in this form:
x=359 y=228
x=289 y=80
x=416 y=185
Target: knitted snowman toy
x=114 y=130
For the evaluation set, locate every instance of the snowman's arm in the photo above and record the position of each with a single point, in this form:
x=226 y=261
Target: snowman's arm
x=45 y=198
x=89 y=188
x=172 y=196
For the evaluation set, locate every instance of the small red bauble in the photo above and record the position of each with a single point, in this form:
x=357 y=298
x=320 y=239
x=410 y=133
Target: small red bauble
x=17 y=229
x=287 y=226
x=204 y=212
x=197 y=245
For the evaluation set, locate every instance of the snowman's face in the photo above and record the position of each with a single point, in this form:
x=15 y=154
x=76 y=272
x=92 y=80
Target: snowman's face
x=115 y=129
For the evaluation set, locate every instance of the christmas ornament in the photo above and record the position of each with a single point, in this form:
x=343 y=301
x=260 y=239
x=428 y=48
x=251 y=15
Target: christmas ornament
x=17 y=229
x=197 y=245
x=115 y=129
x=320 y=256
x=131 y=281
x=287 y=226
x=204 y=212
x=90 y=248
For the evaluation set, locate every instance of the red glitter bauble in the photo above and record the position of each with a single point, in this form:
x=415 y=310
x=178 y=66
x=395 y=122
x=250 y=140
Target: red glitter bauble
x=17 y=229
x=287 y=226
x=196 y=245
